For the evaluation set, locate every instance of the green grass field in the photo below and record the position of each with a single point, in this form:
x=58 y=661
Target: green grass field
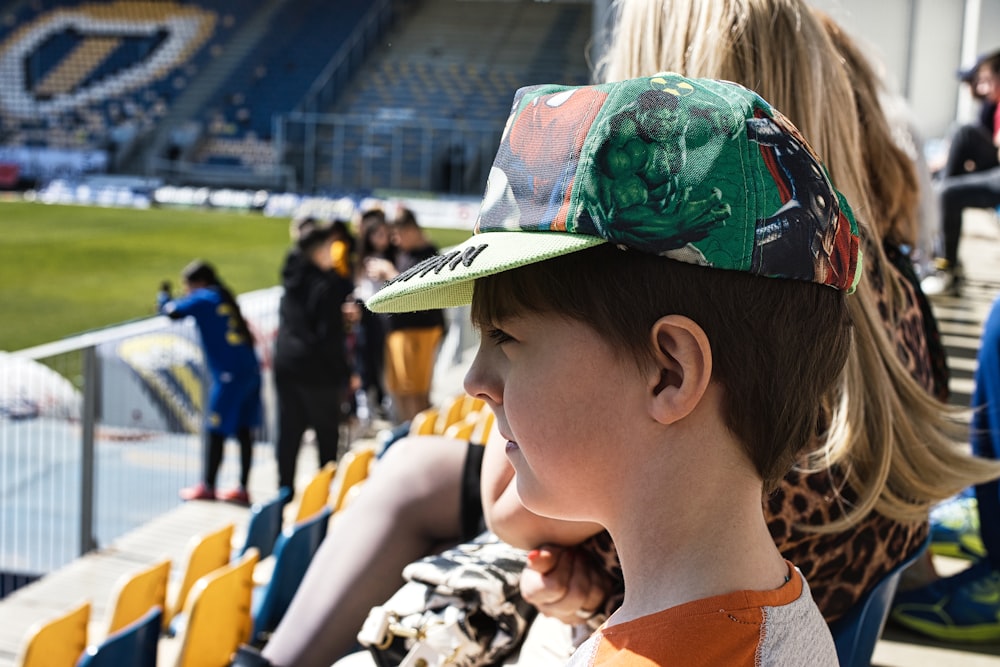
x=69 y=269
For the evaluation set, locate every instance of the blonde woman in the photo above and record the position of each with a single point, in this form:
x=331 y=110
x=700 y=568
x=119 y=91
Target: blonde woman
x=858 y=504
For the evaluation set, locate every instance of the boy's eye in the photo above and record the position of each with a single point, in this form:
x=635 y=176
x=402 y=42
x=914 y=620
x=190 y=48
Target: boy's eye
x=499 y=336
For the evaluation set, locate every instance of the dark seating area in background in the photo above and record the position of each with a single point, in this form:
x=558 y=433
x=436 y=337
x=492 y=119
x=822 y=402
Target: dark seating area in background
x=92 y=75
x=214 y=82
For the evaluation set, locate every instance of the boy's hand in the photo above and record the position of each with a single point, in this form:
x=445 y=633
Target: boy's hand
x=561 y=583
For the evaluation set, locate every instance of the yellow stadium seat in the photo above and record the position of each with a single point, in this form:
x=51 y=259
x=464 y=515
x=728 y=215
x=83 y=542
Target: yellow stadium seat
x=317 y=492
x=58 y=642
x=353 y=469
x=462 y=430
x=207 y=552
x=424 y=422
x=451 y=413
x=137 y=593
x=484 y=424
x=218 y=614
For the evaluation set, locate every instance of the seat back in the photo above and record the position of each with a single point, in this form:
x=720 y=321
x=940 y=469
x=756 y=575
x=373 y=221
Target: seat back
x=856 y=632
x=353 y=469
x=451 y=413
x=292 y=554
x=461 y=430
x=206 y=552
x=484 y=424
x=134 y=645
x=316 y=493
x=58 y=642
x=137 y=593
x=218 y=614
x=424 y=422
x=265 y=522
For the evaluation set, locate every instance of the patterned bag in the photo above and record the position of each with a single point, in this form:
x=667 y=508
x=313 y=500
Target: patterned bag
x=462 y=607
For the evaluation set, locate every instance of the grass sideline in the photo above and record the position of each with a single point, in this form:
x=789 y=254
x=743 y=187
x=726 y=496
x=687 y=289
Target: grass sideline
x=69 y=269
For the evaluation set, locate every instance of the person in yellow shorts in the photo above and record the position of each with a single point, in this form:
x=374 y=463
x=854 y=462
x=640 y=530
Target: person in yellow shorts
x=412 y=340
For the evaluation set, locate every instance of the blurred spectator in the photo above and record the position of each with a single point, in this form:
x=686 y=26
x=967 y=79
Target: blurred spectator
x=971 y=147
x=374 y=243
x=311 y=368
x=412 y=339
x=234 y=406
x=971 y=176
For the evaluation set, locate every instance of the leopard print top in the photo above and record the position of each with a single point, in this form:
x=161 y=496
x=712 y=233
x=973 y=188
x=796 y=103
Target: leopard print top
x=840 y=567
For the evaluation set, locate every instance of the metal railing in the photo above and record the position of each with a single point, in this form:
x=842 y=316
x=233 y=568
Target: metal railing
x=99 y=431
x=388 y=150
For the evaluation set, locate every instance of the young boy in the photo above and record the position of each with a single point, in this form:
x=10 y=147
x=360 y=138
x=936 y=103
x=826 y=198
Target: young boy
x=659 y=273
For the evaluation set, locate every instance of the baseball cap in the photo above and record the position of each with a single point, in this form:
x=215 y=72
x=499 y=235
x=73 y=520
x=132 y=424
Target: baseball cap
x=697 y=170
x=968 y=74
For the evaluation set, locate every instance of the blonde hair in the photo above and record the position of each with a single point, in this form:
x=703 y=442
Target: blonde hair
x=900 y=449
x=892 y=174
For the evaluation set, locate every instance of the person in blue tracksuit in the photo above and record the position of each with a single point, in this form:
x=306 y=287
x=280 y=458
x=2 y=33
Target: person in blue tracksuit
x=234 y=406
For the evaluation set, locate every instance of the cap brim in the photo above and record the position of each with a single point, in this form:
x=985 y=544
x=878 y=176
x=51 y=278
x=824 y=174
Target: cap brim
x=447 y=280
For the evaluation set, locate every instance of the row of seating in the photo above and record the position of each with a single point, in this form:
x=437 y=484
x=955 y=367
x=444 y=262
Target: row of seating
x=227 y=597
x=224 y=596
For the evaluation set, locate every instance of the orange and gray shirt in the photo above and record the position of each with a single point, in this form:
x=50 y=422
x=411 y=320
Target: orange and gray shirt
x=742 y=629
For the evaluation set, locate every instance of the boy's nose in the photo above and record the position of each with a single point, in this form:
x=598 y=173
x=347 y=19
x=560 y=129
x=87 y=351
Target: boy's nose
x=482 y=380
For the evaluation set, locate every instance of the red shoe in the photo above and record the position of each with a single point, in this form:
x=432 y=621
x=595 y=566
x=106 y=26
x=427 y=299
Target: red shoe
x=237 y=496
x=199 y=491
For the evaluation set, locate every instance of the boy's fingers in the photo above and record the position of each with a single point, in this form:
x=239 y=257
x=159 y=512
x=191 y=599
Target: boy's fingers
x=544 y=559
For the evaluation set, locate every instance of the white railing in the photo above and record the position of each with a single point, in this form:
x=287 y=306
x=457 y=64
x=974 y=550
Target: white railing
x=99 y=431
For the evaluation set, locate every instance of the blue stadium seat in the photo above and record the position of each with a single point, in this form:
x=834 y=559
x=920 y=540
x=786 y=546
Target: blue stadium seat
x=292 y=555
x=856 y=633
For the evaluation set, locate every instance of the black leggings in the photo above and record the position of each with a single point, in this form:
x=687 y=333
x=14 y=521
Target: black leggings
x=214 y=448
x=971 y=150
x=977 y=190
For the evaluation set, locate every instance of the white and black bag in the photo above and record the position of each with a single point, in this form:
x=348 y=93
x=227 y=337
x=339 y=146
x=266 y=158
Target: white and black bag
x=462 y=607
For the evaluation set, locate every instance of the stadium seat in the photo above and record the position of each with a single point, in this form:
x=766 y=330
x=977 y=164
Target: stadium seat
x=424 y=422
x=317 y=492
x=218 y=613
x=451 y=412
x=856 y=632
x=292 y=555
x=484 y=424
x=134 y=645
x=206 y=552
x=58 y=642
x=265 y=523
x=353 y=470
x=137 y=593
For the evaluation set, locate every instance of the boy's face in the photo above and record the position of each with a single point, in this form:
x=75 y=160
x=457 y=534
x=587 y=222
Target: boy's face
x=564 y=402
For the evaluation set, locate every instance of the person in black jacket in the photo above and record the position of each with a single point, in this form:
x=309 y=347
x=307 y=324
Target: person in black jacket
x=311 y=365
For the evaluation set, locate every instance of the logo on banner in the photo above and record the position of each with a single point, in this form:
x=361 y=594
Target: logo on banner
x=70 y=57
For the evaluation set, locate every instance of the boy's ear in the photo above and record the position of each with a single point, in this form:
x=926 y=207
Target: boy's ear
x=682 y=367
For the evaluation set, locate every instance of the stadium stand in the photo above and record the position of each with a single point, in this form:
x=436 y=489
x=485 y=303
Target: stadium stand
x=74 y=72
x=213 y=83
x=426 y=114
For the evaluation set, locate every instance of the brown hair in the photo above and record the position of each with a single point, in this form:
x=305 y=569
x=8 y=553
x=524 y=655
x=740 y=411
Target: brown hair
x=405 y=218
x=778 y=346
